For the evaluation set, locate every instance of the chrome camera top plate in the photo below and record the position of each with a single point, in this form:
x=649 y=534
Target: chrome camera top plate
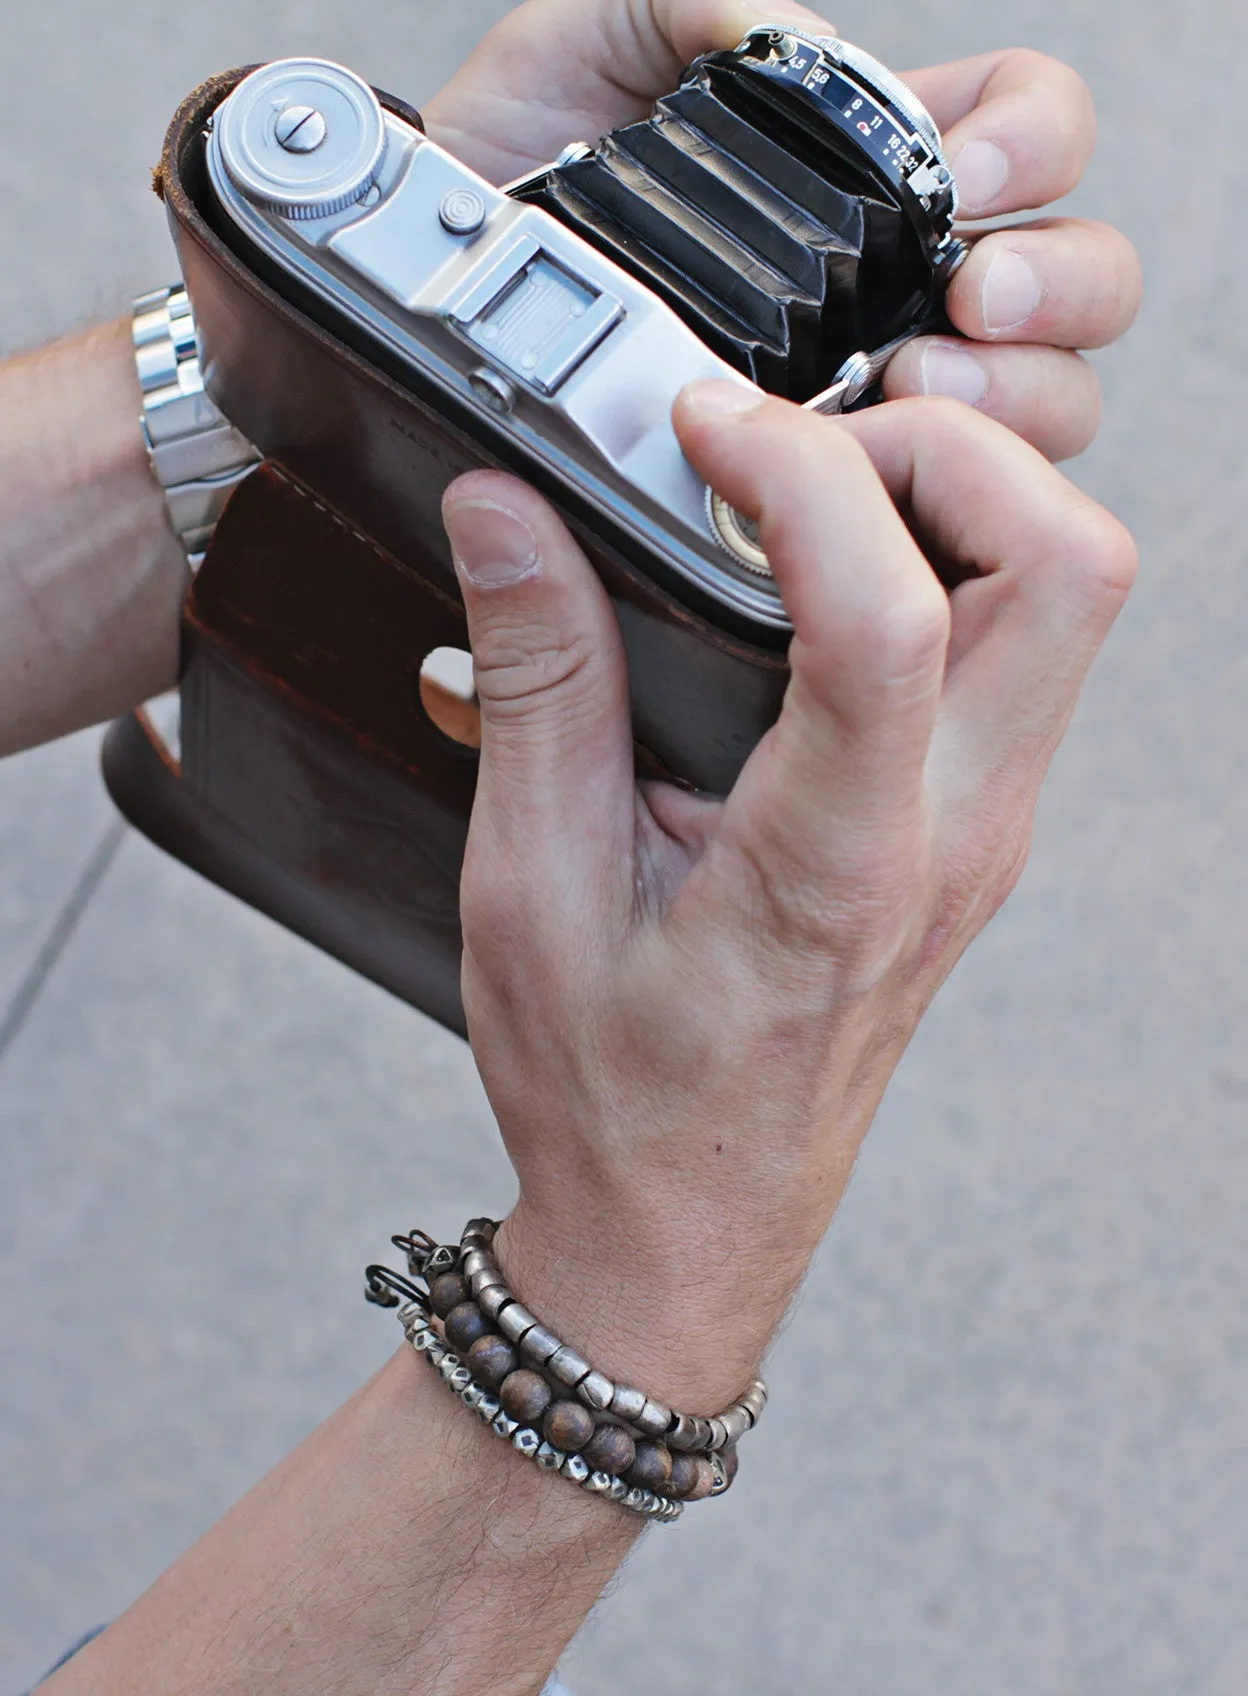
x=492 y=301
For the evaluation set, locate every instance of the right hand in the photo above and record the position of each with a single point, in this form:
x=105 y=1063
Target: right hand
x=1019 y=130
x=685 y=1009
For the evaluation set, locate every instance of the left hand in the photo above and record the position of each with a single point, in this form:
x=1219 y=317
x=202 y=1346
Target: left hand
x=1019 y=131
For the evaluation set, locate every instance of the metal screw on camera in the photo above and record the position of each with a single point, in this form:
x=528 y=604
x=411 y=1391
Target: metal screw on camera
x=493 y=389
x=300 y=129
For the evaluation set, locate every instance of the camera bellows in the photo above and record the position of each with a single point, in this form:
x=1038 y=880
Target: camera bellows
x=763 y=236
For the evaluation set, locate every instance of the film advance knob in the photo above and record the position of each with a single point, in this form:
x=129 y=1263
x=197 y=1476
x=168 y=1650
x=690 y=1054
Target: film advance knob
x=303 y=137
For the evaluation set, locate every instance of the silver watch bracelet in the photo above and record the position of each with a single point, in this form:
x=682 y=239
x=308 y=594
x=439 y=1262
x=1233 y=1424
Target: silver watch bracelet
x=197 y=455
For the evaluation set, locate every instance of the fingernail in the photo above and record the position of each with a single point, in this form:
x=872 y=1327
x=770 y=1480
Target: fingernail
x=492 y=547
x=950 y=369
x=715 y=398
x=1012 y=293
x=981 y=170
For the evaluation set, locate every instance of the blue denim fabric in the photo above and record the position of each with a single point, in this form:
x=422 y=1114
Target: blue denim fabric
x=81 y=1644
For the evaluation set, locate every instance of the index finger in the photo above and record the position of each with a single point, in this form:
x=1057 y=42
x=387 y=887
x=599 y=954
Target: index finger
x=1019 y=128
x=1051 y=570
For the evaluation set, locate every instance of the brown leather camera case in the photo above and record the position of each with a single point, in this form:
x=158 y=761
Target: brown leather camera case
x=311 y=781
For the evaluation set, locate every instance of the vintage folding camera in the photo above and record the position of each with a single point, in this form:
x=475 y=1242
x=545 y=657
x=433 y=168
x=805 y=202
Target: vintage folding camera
x=377 y=319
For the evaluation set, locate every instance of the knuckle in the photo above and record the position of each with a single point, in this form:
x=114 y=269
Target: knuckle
x=1100 y=553
x=497 y=914
x=844 y=932
x=1059 y=81
x=910 y=633
x=1063 y=113
x=981 y=874
x=1061 y=411
x=519 y=670
x=941 y=416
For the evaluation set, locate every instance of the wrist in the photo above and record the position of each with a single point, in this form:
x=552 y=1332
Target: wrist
x=675 y=1318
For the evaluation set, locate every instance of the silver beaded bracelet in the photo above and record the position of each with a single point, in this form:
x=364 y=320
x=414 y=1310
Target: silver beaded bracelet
x=519 y=1377
x=681 y=1431
x=422 y=1336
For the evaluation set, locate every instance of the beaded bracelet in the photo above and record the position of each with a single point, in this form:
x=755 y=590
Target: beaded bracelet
x=524 y=1438
x=519 y=1377
x=487 y=1288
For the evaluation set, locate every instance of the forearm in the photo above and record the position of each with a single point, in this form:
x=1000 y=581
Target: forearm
x=403 y=1547
x=91 y=577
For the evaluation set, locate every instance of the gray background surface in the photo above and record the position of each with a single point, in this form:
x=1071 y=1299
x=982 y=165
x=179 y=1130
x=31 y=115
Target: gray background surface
x=1007 y=1444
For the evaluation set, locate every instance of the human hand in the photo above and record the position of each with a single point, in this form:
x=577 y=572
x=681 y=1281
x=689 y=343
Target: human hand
x=686 y=1010
x=1019 y=130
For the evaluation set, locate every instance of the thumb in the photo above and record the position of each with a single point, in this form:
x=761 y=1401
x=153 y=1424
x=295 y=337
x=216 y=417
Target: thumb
x=548 y=660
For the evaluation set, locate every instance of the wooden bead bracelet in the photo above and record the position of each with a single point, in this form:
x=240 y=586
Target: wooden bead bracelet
x=528 y=1440
x=517 y=1375
x=474 y=1276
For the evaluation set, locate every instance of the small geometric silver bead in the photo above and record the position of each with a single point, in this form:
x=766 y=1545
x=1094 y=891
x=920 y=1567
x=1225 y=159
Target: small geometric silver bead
x=448 y=1364
x=537 y=1344
x=471 y=1397
x=596 y=1391
x=409 y=1313
x=568 y=1367
x=655 y=1506
x=443 y=1259
x=599 y=1483
x=576 y=1467
x=526 y=1441
x=617 y=1490
x=493 y=1300
x=515 y=1321
x=424 y=1338
x=721 y=1477
x=654 y=1419
x=550 y=1459
x=435 y=1354
x=718 y=1435
x=504 y=1426
x=627 y=1404
x=489 y=1407
x=460 y=1380
x=635 y=1501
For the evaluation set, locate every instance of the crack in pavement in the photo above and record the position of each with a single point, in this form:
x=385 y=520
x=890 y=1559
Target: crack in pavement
x=27 y=993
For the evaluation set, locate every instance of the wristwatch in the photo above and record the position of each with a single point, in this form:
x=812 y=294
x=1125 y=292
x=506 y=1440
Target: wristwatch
x=197 y=455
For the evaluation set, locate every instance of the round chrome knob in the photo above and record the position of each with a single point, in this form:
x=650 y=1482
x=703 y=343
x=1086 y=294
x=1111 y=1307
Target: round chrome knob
x=304 y=137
